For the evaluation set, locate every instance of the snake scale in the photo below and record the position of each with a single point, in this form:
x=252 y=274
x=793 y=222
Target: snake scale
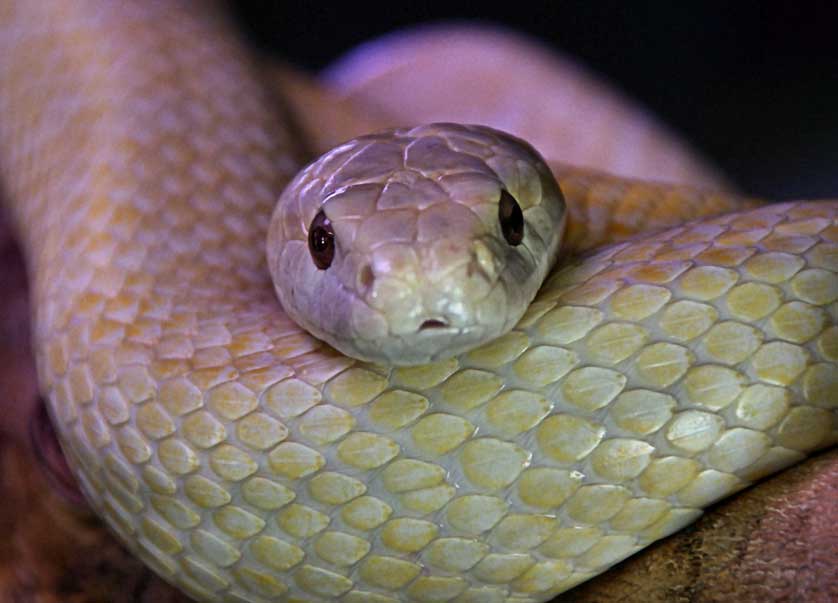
x=244 y=460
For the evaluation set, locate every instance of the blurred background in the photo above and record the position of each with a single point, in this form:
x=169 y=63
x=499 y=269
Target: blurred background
x=752 y=85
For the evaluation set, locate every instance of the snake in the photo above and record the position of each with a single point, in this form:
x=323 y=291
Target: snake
x=499 y=438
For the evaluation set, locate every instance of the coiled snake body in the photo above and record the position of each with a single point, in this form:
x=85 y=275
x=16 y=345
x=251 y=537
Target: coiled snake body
x=244 y=460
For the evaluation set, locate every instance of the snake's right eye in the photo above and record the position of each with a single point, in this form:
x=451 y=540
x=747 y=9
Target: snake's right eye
x=321 y=241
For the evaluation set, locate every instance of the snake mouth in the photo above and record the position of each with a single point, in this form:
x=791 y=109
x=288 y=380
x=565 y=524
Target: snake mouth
x=433 y=323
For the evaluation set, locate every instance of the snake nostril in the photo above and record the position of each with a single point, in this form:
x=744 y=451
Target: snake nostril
x=433 y=323
x=367 y=276
x=482 y=262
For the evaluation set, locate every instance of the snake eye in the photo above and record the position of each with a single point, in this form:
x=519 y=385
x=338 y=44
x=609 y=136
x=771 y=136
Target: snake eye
x=321 y=241
x=511 y=219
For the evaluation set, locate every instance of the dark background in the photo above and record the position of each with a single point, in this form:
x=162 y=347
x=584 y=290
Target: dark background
x=753 y=85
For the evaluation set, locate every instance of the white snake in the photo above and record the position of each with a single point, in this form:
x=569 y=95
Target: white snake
x=245 y=460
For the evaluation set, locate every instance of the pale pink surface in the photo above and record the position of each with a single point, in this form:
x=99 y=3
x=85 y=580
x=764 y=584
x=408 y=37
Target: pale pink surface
x=493 y=77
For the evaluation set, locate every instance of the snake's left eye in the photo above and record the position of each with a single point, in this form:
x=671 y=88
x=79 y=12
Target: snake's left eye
x=511 y=219
x=321 y=241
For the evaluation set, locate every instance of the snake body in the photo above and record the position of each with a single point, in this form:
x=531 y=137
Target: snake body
x=244 y=460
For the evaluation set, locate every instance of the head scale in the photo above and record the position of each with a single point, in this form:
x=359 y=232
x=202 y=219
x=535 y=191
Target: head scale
x=414 y=245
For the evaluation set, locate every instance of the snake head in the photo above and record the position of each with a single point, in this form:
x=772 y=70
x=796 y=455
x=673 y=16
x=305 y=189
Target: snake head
x=414 y=245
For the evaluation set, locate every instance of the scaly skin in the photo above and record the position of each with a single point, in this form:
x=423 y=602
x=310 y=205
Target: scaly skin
x=417 y=236
x=245 y=461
